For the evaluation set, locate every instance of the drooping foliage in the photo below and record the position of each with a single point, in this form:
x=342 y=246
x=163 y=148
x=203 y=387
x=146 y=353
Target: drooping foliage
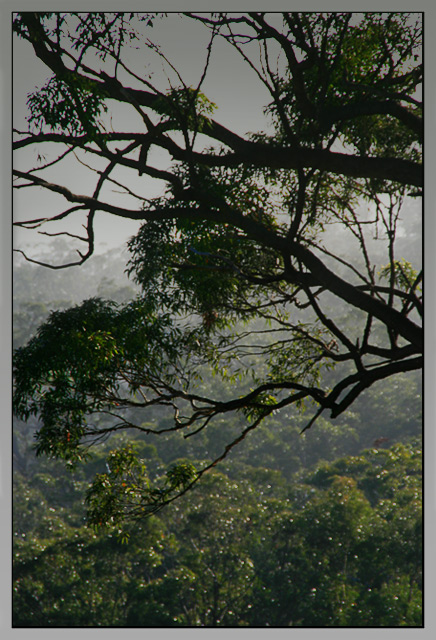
x=241 y=276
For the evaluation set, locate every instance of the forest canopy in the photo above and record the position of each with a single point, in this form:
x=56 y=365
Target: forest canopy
x=242 y=277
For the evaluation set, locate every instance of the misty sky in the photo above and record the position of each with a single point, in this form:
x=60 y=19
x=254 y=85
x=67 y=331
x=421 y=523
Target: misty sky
x=230 y=84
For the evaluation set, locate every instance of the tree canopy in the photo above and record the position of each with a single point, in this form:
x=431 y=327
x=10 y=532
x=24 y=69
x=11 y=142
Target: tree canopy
x=241 y=271
x=339 y=546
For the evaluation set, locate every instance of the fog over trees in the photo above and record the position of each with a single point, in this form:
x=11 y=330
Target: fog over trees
x=259 y=334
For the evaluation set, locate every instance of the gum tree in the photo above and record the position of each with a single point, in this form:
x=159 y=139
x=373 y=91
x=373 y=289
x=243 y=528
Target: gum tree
x=237 y=258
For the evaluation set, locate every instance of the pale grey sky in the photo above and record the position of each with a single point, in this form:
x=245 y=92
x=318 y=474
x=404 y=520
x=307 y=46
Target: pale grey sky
x=28 y=74
x=230 y=83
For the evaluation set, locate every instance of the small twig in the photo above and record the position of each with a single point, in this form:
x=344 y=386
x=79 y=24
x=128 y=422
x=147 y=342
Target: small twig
x=53 y=266
x=63 y=233
x=315 y=417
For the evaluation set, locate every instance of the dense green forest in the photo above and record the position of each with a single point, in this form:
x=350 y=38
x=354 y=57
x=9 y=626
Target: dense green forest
x=314 y=529
x=218 y=423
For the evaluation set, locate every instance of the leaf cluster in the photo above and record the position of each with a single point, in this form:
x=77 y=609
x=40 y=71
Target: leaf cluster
x=73 y=106
x=125 y=493
x=79 y=361
x=187 y=108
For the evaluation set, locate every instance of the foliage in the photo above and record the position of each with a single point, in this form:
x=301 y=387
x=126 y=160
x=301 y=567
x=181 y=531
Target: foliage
x=240 y=279
x=402 y=274
x=56 y=370
x=63 y=107
x=336 y=546
x=124 y=492
x=186 y=107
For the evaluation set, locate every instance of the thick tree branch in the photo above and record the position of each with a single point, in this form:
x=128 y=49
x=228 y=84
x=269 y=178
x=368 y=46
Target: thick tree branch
x=374 y=107
x=263 y=155
x=357 y=298
x=363 y=380
x=322 y=275
x=238 y=234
